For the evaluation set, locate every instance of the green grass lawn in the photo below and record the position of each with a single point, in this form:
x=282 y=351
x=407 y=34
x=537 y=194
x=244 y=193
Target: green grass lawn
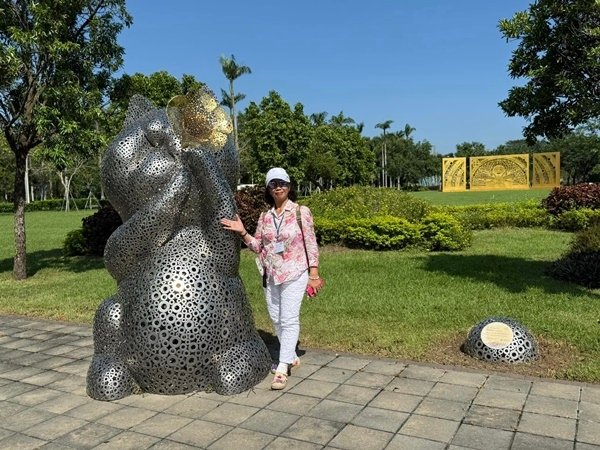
x=396 y=304
x=477 y=197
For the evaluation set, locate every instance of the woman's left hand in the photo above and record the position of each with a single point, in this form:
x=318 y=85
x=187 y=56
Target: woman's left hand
x=316 y=284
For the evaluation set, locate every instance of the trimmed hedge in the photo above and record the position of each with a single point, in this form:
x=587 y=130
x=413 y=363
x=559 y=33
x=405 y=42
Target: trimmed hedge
x=436 y=232
x=495 y=215
x=576 y=219
x=54 y=204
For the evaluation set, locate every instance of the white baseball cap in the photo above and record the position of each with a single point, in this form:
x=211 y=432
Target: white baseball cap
x=277 y=173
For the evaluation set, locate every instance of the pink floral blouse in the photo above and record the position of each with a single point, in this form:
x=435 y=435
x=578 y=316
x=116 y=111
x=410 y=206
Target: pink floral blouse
x=289 y=264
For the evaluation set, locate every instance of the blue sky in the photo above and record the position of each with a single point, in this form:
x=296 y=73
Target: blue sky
x=440 y=66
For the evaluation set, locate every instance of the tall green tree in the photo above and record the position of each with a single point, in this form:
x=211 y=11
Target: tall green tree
x=56 y=59
x=232 y=71
x=559 y=54
x=230 y=103
x=384 y=126
x=275 y=134
x=467 y=149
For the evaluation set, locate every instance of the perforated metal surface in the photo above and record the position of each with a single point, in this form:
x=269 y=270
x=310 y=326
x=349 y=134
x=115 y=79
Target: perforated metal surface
x=180 y=320
x=521 y=347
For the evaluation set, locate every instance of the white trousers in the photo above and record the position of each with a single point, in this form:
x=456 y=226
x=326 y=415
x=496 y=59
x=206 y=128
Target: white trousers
x=283 y=302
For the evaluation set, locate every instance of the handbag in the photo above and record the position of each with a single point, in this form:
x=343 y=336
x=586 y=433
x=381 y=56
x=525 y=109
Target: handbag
x=309 y=289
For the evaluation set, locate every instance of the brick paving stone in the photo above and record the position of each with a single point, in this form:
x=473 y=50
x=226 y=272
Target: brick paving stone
x=584 y=446
x=161 y=425
x=166 y=444
x=551 y=426
x=31 y=359
x=559 y=390
x=282 y=443
x=316 y=358
x=353 y=394
x=403 y=442
x=56 y=446
x=551 y=406
x=392 y=368
x=269 y=421
x=9 y=409
x=444 y=409
x=293 y=403
x=454 y=392
x=26 y=419
x=489 y=417
x=396 y=401
x=589 y=411
x=78 y=367
x=590 y=394
x=55 y=427
x=230 y=413
x=39 y=346
x=60 y=350
x=430 y=428
x=19 y=344
x=312 y=429
x=242 y=439
x=500 y=399
x=21 y=442
x=305 y=370
x=422 y=373
x=36 y=396
x=332 y=374
x=63 y=403
x=482 y=438
x=349 y=362
x=126 y=417
x=155 y=402
x=524 y=441
x=380 y=419
x=257 y=398
x=314 y=388
x=82 y=353
x=93 y=410
x=353 y=437
x=68 y=383
x=5 y=433
x=193 y=407
x=410 y=386
x=53 y=362
x=369 y=379
x=200 y=433
x=507 y=384
x=588 y=432
x=7 y=367
x=128 y=440
x=43 y=378
x=89 y=435
x=11 y=355
x=335 y=411
x=21 y=373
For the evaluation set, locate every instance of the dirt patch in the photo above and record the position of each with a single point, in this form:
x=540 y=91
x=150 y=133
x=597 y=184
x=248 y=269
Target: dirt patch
x=554 y=361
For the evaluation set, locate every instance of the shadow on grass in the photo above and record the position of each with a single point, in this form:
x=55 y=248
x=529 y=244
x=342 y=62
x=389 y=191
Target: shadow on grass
x=514 y=275
x=54 y=259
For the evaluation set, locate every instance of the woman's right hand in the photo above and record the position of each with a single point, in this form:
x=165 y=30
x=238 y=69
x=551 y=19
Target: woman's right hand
x=234 y=225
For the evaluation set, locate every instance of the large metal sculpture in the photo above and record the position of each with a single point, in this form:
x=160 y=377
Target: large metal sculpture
x=180 y=320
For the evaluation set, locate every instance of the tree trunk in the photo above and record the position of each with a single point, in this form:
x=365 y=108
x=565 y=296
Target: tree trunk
x=235 y=135
x=20 y=259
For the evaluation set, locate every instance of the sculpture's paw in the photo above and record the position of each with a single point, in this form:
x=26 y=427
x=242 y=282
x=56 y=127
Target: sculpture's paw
x=242 y=367
x=108 y=336
x=108 y=378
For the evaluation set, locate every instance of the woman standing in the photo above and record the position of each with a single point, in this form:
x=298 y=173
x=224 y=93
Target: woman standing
x=290 y=262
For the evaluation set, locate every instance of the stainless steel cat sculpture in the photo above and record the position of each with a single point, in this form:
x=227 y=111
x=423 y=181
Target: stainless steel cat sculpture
x=180 y=320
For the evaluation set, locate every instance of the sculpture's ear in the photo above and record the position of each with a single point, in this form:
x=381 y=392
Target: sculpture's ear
x=138 y=107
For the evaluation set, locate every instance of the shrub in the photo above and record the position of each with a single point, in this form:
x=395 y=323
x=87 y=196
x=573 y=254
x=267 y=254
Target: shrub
x=581 y=264
x=380 y=233
x=494 y=215
x=98 y=227
x=364 y=202
x=74 y=244
x=564 y=198
x=441 y=231
x=53 y=204
x=250 y=203
x=576 y=219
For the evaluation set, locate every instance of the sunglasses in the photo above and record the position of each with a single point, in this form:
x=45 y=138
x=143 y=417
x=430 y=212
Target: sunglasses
x=278 y=183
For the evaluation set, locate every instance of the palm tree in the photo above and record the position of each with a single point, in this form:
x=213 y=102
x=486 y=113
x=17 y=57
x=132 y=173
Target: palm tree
x=384 y=126
x=340 y=120
x=226 y=101
x=232 y=72
x=408 y=131
x=360 y=126
x=318 y=118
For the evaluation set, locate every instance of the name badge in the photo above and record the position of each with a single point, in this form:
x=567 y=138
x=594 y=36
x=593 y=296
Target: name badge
x=279 y=247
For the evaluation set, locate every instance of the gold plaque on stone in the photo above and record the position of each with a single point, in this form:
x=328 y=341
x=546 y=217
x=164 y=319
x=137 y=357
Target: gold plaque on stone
x=497 y=335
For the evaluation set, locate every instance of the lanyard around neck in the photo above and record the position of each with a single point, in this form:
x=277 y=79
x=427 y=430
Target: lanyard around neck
x=278 y=224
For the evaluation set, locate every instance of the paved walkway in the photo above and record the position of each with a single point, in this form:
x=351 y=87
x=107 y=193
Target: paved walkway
x=334 y=401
